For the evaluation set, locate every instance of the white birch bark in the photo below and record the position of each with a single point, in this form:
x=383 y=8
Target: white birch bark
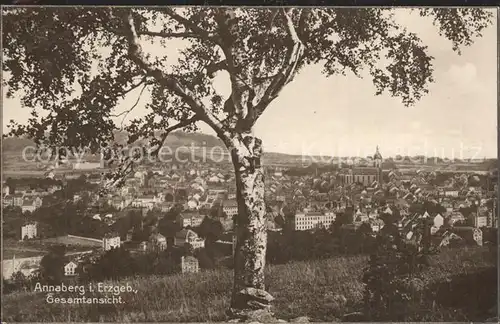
x=250 y=226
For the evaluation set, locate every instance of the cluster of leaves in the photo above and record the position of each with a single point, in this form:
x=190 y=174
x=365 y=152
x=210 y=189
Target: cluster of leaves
x=113 y=264
x=290 y=245
x=120 y=263
x=393 y=276
x=51 y=56
x=19 y=281
x=51 y=269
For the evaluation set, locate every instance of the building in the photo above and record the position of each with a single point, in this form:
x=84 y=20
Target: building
x=31 y=204
x=111 y=241
x=227 y=223
x=145 y=201
x=187 y=236
x=143 y=246
x=346 y=178
x=438 y=221
x=234 y=244
x=492 y=219
x=197 y=219
x=17 y=199
x=360 y=217
x=130 y=235
x=480 y=221
x=192 y=219
x=451 y=193
x=28 y=231
x=7 y=200
x=376 y=225
x=308 y=220
x=86 y=165
x=471 y=235
x=230 y=207
x=456 y=216
x=365 y=175
x=25 y=265
x=70 y=269
x=189 y=264
x=157 y=242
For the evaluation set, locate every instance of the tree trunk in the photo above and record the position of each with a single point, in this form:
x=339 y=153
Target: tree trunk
x=250 y=227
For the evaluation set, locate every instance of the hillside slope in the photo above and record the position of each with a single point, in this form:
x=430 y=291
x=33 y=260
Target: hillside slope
x=300 y=289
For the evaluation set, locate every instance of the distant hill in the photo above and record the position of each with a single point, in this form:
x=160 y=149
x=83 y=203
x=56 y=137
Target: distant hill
x=205 y=143
x=15 y=144
x=202 y=143
x=174 y=140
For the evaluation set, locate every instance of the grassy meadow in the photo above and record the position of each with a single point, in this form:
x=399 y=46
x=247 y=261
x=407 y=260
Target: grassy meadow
x=461 y=286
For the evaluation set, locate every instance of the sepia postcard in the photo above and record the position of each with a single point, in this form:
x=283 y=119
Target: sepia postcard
x=249 y=164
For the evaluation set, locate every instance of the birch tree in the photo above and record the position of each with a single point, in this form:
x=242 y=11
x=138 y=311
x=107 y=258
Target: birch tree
x=55 y=62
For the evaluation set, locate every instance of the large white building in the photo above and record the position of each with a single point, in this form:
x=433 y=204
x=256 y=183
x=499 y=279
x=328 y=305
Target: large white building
x=186 y=219
x=189 y=264
x=309 y=220
x=28 y=231
x=230 y=207
x=111 y=241
x=480 y=221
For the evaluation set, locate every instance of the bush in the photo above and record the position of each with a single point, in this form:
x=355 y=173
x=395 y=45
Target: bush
x=393 y=278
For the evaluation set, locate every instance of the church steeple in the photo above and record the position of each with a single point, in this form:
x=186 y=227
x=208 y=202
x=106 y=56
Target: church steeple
x=377 y=155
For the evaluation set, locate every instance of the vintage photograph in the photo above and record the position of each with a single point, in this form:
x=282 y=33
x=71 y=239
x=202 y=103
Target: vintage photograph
x=249 y=164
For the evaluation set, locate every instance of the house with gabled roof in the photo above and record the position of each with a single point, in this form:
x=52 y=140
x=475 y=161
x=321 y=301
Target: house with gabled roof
x=187 y=236
x=28 y=205
x=70 y=269
x=192 y=219
x=17 y=199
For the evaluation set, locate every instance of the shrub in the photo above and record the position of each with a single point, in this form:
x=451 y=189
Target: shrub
x=393 y=277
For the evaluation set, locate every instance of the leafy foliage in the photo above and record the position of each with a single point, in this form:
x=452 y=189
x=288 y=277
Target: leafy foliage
x=393 y=276
x=71 y=66
x=210 y=229
x=52 y=265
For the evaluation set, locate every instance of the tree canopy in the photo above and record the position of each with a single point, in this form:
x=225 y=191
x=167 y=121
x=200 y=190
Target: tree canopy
x=76 y=64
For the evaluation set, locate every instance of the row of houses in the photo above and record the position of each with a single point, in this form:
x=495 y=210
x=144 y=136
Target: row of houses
x=26 y=203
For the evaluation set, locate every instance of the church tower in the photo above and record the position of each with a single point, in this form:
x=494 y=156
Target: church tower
x=377 y=158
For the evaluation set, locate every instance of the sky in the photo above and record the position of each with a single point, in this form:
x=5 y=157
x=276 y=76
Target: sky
x=341 y=116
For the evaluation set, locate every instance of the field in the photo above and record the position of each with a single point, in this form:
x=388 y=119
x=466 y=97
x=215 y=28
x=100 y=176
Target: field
x=21 y=249
x=463 y=284
x=8 y=253
x=75 y=241
x=26 y=249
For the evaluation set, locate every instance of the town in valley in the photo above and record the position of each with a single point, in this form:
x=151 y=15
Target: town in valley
x=184 y=212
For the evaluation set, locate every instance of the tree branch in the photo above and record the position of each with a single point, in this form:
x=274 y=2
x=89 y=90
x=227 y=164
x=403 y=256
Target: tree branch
x=286 y=73
x=170 y=129
x=170 y=35
x=170 y=82
x=126 y=112
x=234 y=106
x=304 y=15
x=115 y=180
x=135 y=86
x=191 y=26
x=216 y=67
